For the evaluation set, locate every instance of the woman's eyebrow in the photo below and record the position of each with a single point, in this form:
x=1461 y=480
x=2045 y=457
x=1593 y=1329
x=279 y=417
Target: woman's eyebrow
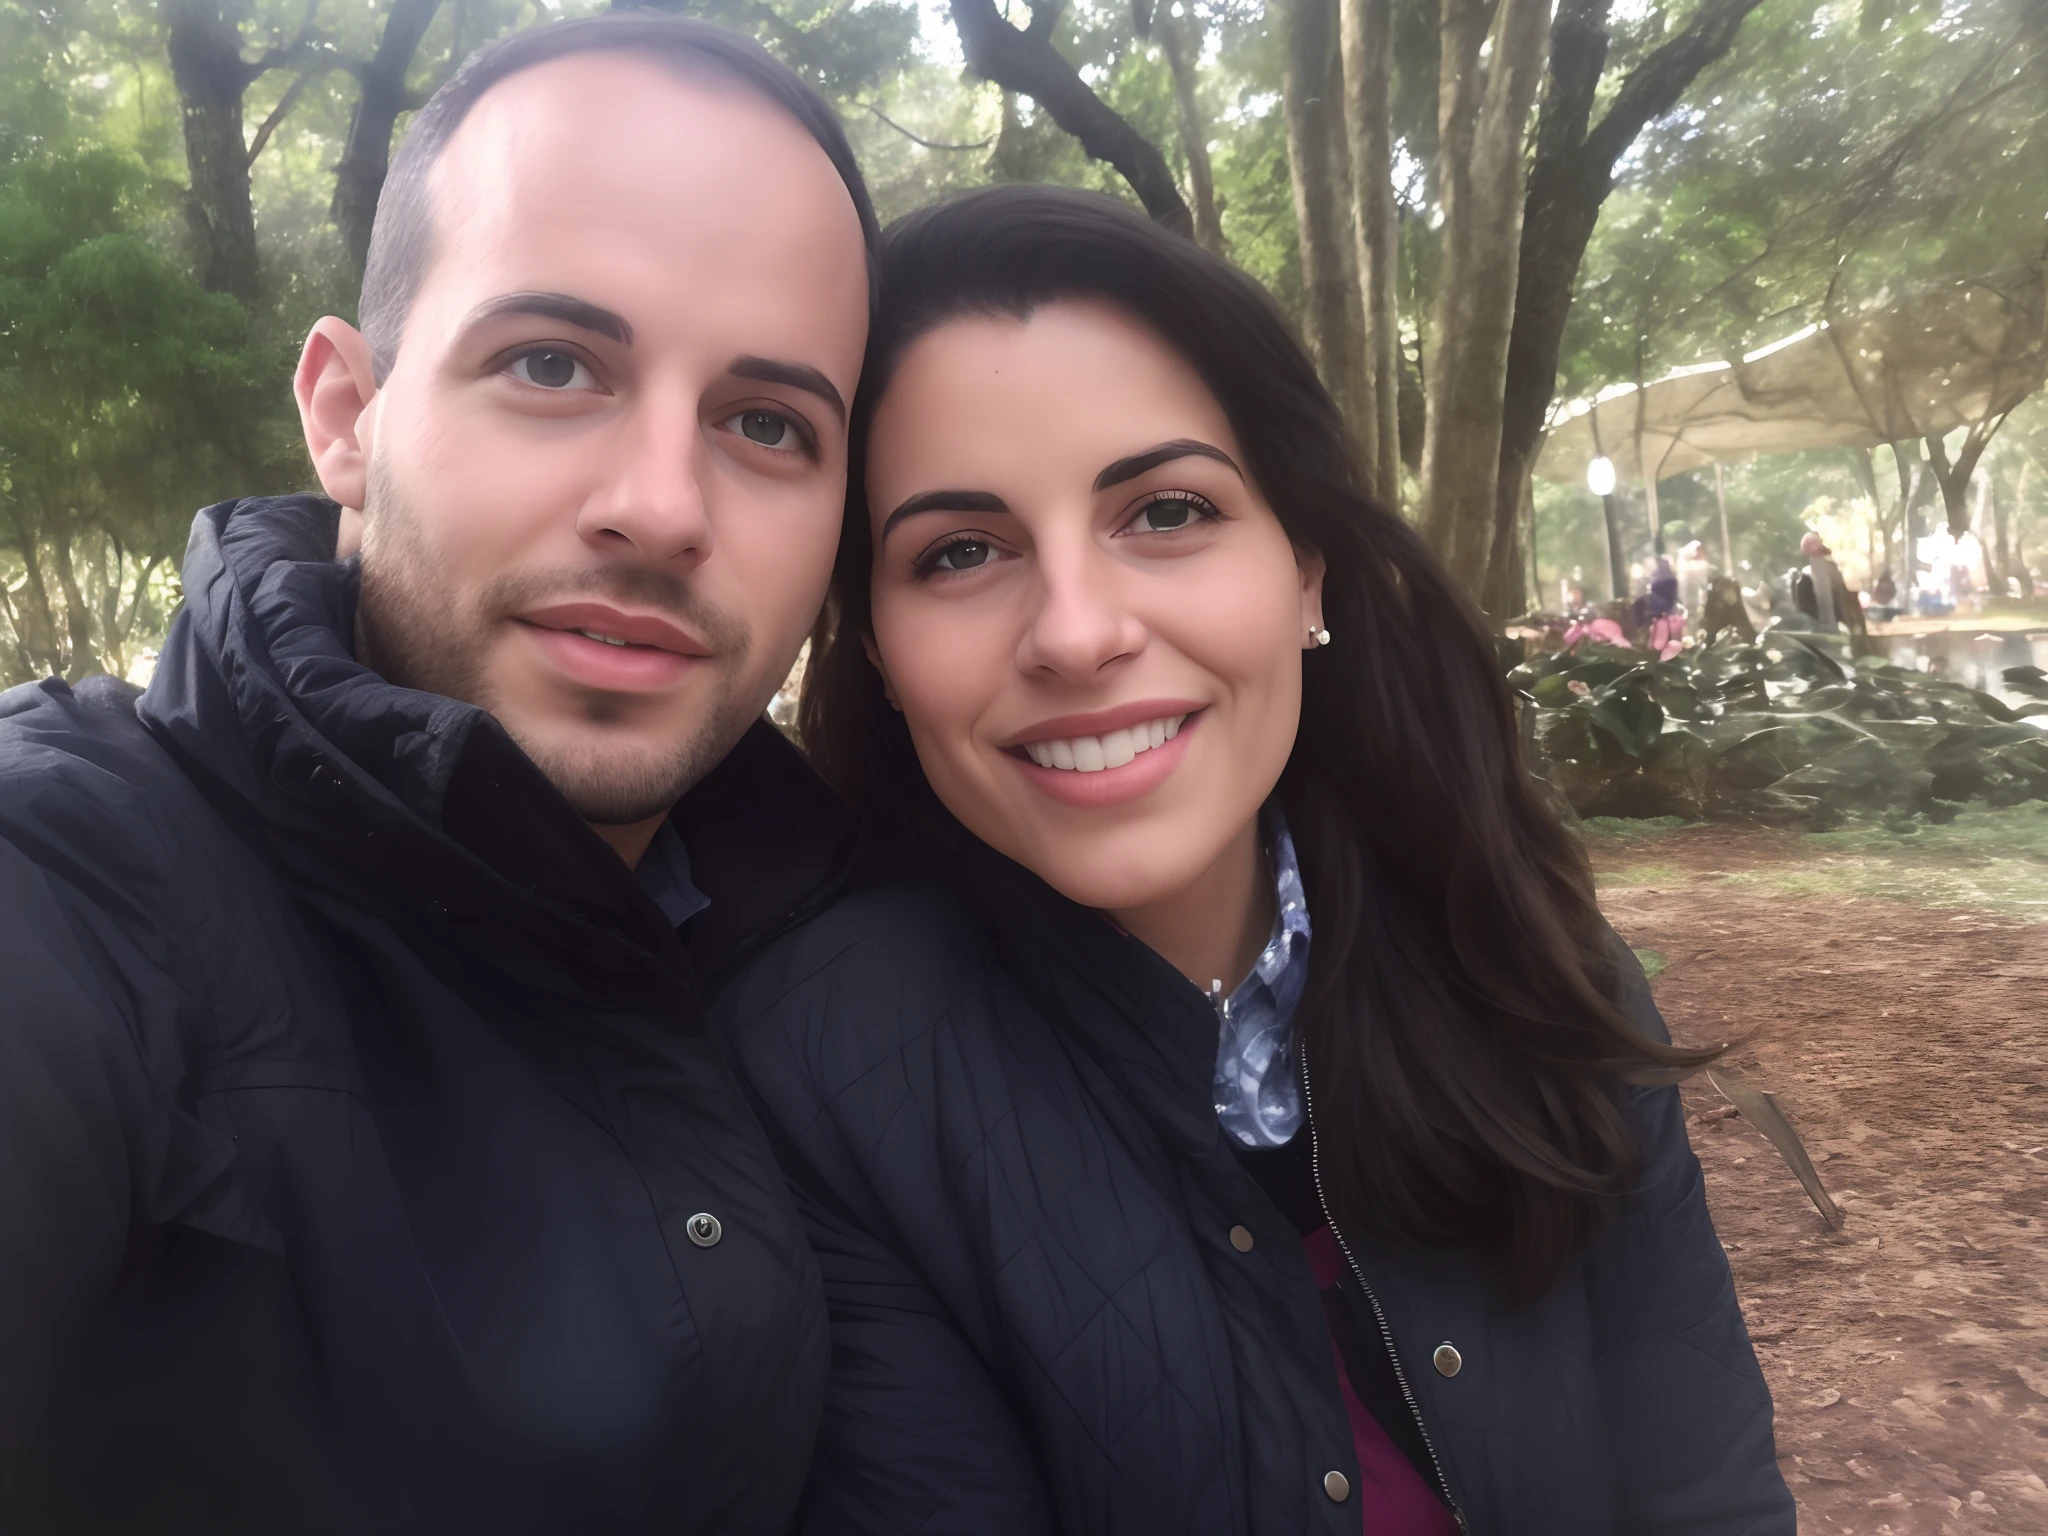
x=944 y=501
x=1180 y=448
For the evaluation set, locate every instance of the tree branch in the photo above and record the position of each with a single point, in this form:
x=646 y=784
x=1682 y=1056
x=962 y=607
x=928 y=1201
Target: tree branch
x=1027 y=62
x=918 y=139
x=285 y=103
x=277 y=58
x=1654 y=86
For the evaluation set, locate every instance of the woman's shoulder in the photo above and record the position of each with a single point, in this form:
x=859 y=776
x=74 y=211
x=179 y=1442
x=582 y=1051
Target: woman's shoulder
x=865 y=978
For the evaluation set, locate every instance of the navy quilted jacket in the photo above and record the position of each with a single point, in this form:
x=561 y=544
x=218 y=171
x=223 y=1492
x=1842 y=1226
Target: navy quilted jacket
x=355 y=1104
x=997 y=1113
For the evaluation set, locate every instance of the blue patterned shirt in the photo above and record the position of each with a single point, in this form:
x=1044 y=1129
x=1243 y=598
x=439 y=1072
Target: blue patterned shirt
x=1258 y=1090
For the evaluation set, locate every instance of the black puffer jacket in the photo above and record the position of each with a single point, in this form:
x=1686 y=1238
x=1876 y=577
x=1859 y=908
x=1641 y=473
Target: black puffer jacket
x=355 y=1104
x=997 y=1112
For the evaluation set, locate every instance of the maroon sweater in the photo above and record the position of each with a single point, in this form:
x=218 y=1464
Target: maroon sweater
x=1396 y=1492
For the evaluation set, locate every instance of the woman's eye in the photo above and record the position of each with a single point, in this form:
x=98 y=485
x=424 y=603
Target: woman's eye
x=545 y=368
x=964 y=556
x=771 y=429
x=1167 y=514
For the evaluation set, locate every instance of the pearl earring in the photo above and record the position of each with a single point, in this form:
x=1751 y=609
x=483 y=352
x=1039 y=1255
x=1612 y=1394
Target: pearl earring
x=1319 y=636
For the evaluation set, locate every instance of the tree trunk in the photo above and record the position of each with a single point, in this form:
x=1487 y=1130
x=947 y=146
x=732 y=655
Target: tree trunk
x=2019 y=532
x=1320 y=212
x=1953 y=475
x=1026 y=61
x=359 y=177
x=1180 y=41
x=1569 y=179
x=211 y=76
x=1617 y=551
x=1367 y=28
x=35 y=621
x=2002 y=529
x=1482 y=113
x=1721 y=504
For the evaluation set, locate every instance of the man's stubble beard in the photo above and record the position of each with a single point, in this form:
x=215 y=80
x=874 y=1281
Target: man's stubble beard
x=411 y=633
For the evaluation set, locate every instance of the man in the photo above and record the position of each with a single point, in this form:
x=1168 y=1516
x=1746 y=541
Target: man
x=1833 y=604
x=364 y=1160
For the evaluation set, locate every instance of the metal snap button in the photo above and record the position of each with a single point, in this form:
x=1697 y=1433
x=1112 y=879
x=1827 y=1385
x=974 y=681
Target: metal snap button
x=1447 y=1360
x=704 y=1229
x=1337 y=1486
x=1241 y=1239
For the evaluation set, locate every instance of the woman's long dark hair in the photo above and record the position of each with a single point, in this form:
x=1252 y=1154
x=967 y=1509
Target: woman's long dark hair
x=1464 y=1018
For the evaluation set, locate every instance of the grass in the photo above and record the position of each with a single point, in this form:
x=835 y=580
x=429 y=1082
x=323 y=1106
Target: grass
x=1990 y=860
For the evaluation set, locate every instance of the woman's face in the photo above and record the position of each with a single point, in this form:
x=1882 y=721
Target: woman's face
x=1090 y=617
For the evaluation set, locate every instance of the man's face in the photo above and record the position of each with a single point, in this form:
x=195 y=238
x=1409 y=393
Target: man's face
x=607 y=470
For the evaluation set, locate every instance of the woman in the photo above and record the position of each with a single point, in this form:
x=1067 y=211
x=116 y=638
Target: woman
x=1140 y=1207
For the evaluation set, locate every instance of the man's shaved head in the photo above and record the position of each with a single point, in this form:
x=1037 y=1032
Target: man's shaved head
x=402 y=238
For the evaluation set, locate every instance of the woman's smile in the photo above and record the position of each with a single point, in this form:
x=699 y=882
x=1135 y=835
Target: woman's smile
x=1114 y=767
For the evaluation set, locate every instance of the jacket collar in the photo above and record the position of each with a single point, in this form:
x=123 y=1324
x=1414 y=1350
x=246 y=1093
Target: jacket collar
x=1118 y=1000
x=408 y=799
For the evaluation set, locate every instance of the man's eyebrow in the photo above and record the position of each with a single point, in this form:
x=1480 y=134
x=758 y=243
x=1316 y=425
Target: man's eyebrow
x=566 y=308
x=797 y=375
x=1180 y=448
x=944 y=501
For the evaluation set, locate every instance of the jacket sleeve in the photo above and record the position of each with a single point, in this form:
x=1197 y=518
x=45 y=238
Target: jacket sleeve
x=75 y=1142
x=1688 y=1411
x=917 y=1436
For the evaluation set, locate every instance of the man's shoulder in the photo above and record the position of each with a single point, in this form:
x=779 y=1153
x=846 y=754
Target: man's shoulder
x=88 y=794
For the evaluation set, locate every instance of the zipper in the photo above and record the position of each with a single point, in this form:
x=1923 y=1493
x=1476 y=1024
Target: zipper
x=1315 y=1163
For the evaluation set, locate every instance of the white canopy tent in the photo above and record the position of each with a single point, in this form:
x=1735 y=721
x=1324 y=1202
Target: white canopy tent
x=1895 y=369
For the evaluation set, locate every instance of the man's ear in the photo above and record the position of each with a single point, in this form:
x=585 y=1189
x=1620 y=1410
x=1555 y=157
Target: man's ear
x=336 y=387
x=867 y=643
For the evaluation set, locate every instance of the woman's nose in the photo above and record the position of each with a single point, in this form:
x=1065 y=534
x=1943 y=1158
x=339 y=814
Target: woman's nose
x=1083 y=621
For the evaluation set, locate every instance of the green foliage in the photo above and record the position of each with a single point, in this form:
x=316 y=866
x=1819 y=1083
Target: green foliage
x=128 y=396
x=1787 y=730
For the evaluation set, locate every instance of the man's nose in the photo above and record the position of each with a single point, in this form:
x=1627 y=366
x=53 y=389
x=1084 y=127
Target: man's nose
x=654 y=497
x=1083 y=621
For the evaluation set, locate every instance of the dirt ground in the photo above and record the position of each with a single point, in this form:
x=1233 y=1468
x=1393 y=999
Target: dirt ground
x=1908 y=1351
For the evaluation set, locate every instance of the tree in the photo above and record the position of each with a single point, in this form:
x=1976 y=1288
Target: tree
x=1570 y=177
x=1023 y=59
x=1367 y=52
x=1316 y=152
x=212 y=78
x=1180 y=43
x=359 y=177
x=1491 y=62
x=129 y=394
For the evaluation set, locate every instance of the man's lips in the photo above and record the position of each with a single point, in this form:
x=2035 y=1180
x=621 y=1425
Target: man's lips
x=601 y=647
x=610 y=625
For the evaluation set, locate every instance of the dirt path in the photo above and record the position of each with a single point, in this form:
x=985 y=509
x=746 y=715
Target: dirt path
x=1908 y=1351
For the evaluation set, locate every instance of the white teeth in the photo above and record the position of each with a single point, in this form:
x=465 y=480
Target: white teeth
x=604 y=639
x=1092 y=754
